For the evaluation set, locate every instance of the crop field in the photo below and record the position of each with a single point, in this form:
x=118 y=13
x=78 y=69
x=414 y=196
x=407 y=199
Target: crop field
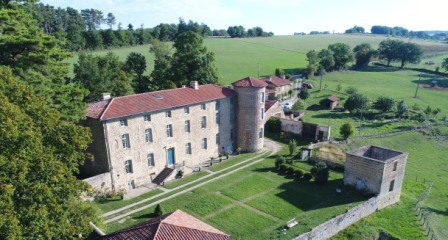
x=238 y=58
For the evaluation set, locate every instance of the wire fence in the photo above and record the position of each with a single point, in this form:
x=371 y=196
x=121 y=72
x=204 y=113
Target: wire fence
x=424 y=215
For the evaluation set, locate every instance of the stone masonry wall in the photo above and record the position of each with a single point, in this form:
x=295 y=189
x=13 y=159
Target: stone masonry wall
x=249 y=118
x=101 y=182
x=139 y=148
x=371 y=172
x=291 y=126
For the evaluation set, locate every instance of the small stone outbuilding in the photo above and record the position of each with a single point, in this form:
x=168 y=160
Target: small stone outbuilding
x=331 y=102
x=376 y=170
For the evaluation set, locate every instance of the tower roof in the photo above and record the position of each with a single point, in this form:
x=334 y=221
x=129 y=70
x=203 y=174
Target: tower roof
x=250 y=82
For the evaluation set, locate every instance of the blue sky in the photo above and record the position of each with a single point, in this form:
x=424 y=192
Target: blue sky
x=283 y=17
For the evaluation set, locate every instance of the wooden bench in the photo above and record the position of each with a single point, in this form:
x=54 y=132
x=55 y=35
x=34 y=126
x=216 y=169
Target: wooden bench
x=291 y=223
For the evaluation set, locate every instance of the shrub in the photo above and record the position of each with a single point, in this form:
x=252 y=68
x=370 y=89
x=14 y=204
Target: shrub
x=299 y=105
x=298 y=173
x=158 y=211
x=339 y=87
x=283 y=168
x=351 y=90
x=180 y=174
x=292 y=145
x=304 y=94
x=279 y=161
x=356 y=101
x=346 y=130
x=402 y=108
x=320 y=173
x=307 y=176
x=290 y=170
x=384 y=104
x=274 y=125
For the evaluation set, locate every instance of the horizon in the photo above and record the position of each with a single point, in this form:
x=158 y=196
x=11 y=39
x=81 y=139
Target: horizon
x=281 y=18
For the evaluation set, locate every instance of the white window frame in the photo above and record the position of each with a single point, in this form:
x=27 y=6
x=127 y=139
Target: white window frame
x=187 y=110
x=126 y=141
x=147 y=117
x=150 y=158
x=188 y=148
x=204 y=143
x=203 y=106
x=128 y=166
x=168 y=113
x=124 y=122
x=203 y=122
x=187 y=127
x=148 y=135
x=262 y=97
x=169 y=130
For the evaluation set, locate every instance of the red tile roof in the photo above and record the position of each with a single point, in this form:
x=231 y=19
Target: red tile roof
x=153 y=101
x=173 y=226
x=269 y=103
x=276 y=81
x=249 y=82
x=333 y=98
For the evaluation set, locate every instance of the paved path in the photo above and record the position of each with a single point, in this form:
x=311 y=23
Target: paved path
x=269 y=146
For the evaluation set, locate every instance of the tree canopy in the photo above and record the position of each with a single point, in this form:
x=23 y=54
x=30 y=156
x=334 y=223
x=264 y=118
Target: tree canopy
x=342 y=55
x=356 y=102
x=363 y=54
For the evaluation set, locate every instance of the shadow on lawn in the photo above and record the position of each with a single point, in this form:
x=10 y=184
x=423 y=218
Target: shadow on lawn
x=309 y=195
x=425 y=78
x=437 y=211
x=377 y=69
x=333 y=115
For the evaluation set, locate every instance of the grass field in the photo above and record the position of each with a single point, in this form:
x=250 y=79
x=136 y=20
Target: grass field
x=426 y=162
x=239 y=58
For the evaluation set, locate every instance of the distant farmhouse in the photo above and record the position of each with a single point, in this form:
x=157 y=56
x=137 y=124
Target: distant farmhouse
x=148 y=138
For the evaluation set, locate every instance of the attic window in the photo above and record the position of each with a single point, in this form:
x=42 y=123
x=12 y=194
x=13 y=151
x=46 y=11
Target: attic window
x=157 y=96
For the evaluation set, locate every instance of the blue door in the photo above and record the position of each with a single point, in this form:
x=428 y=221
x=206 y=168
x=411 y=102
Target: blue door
x=170 y=156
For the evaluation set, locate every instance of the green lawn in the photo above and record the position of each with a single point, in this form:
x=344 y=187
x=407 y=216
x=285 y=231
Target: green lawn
x=426 y=162
x=186 y=179
x=109 y=205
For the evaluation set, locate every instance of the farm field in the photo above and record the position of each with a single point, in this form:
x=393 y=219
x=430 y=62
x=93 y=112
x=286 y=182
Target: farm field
x=239 y=58
x=426 y=163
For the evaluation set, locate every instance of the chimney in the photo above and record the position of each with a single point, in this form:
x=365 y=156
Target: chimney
x=105 y=96
x=283 y=76
x=194 y=85
x=183 y=86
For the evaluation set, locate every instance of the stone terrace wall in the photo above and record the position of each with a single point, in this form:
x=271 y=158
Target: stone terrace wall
x=339 y=223
x=101 y=182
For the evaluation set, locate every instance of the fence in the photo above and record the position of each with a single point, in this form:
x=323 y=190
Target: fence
x=423 y=215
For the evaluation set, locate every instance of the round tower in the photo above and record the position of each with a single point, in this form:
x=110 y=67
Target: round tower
x=250 y=113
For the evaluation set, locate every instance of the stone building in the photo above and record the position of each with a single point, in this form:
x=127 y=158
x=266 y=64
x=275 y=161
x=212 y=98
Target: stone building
x=377 y=170
x=277 y=87
x=147 y=138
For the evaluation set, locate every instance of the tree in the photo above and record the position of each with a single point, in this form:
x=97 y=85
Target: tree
x=279 y=72
x=136 y=64
x=409 y=53
x=445 y=64
x=111 y=20
x=304 y=94
x=402 y=108
x=161 y=75
x=274 y=125
x=384 y=104
x=100 y=74
x=326 y=59
x=356 y=102
x=320 y=173
x=292 y=145
x=158 y=211
x=342 y=55
x=389 y=50
x=355 y=29
x=346 y=130
x=299 y=105
x=363 y=54
x=39 y=155
x=192 y=61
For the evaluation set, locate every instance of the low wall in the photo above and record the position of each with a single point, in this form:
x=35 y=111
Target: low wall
x=333 y=226
x=101 y=182
x=292 y=126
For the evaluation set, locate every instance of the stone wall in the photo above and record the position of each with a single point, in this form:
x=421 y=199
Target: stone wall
x=139 y=149
x=100 y=182
x=250 y=118
x=99 y=163
x=292 y=126
x=368 y=172
x=340 y=222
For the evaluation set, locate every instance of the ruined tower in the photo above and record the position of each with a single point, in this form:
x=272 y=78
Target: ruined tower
x=250 y=113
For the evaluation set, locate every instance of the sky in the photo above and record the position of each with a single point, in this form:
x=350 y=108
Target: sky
x=282 y=17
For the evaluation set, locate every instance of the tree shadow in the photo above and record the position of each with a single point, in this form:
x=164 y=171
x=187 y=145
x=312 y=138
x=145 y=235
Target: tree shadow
x=293 y=71
x=425 y=78
x=309 y=195
x=377 y=69
x=333 y=115
x=437 y=211
x=316 y=107
x=146 y=216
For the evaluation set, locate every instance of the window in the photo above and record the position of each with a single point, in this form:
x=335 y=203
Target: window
x=169 y=130
x=203 y=106
x=128 y=166
x=148 y=135
x=203 y=122
x=188 y=148
x=260 y=134
x=187 y=126
x=262 y=97
x=150 y=158
x=262 y=113
x=217 y=138
x=168 y=113
x=147 y=118
x=125 y=141
x=218 y=105
x=231 y=134
x=123 y=122
x=395 y=166
x=186 y=110
x=218 y=121
x=204 y=143
x=391 y=186
x=131 y=184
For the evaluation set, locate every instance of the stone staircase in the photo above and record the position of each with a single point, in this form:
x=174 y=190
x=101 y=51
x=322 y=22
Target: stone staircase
x=163 y=175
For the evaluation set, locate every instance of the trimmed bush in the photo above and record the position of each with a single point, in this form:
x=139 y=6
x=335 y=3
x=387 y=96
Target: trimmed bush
x=290 y=170
x=298 y=173
x=158 y=211
x=279 y=161
x=283 y=168
x=320 y=173
x=307 y=176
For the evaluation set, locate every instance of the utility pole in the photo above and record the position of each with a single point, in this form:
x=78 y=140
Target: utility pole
x=416 y=90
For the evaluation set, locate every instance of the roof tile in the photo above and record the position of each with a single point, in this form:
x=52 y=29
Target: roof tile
x=249 y=82
x=276 y=81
